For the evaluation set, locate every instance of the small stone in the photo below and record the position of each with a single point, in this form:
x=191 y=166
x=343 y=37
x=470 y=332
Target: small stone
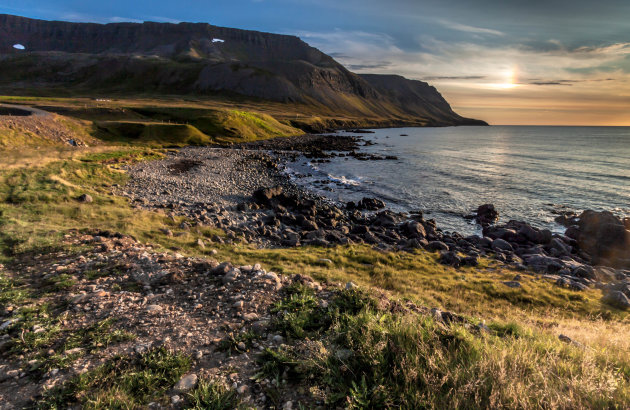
x=512 y=284
x=238 y=305
x=241 y=346
x=176 y=399
x=198 y=355
x=85 y=198
x=277 y=339
x=351 y=286
x=186 y=383
x=8 y=323
x=242 y=389
x=271 y=276
x=250 y=316
x=201 y=244
x=153 y=309
x=76 y=350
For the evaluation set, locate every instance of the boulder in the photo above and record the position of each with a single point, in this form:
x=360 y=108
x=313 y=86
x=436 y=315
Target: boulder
x=486 y=215
x=370 y=204
x=450 y=258
x=501 y=245
x=414 y=229
x=85 y=198
x=437 y=246
x=263 y=196
x=604 y=237
x=617 y=299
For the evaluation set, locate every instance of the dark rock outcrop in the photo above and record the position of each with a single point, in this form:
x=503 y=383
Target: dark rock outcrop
x=604 y=237
x=486 y=215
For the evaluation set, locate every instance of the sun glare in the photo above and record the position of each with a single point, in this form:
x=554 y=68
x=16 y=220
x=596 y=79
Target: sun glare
x=511 y=80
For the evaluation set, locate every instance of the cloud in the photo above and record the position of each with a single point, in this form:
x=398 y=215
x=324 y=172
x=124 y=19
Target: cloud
x=468 y=29
x=370 y=66
x=455 y=77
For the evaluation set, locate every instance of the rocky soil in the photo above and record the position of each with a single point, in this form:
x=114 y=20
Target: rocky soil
x=218 y=314
x=38 y=123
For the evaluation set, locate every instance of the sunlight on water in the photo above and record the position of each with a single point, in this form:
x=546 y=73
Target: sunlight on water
x=527 y=172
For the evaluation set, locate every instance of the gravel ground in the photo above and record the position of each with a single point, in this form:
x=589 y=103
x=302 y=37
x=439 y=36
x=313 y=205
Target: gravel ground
x=212 y=176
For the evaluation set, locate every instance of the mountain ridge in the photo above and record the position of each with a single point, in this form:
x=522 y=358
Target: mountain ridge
x=199 y=58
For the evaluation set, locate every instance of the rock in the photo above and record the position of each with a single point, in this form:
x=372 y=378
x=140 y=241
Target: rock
x=166 y=232
x=239 y=304
x=264 y=196
x=414 y=229
x=351 y=286
x=617 y=299
x=277 y=339
x=201 y=244
x=370 y=204
x=567 y=339
x=437 y=246
x=584 y=271
x=501 y=245
x=85 y=198
x=153 y=309
x=221 y=269
x=604 y=237
x=450 y=258
x=8 y=323
x=271 y=276
x=241 y=346
x=242 y=389
x=186 y=383
x=560 y=247
x=512 y=284
x=486 y=215
x=76 y=350
x=176 y=400
x=384 y=218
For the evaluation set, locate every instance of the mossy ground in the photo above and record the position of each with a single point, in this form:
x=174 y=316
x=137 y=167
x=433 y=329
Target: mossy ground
x=398 y=360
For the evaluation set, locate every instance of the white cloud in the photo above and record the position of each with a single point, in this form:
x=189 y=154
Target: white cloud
x=468 y=29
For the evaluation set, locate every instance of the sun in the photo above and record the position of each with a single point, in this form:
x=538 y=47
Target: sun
x=511 y=79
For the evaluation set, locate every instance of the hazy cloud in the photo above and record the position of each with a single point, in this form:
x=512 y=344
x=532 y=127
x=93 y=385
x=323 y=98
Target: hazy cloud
x=468 y=29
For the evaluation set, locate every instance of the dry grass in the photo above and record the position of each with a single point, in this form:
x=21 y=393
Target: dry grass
x=522 y=364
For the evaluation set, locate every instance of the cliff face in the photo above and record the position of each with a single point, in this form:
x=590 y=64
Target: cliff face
x=204 y=59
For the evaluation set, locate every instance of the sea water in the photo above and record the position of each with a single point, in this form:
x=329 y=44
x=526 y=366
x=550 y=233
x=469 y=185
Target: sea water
x=528 y=173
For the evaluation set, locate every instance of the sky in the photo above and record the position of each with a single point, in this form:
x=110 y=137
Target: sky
x=542 y=62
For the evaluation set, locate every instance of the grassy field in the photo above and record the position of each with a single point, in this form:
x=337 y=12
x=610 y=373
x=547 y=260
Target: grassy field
x=398 y=360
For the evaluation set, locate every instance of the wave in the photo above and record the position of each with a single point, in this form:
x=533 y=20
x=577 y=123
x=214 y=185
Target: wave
x=343 y=180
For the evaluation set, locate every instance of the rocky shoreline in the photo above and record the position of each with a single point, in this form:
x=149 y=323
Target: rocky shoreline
x=243 y=191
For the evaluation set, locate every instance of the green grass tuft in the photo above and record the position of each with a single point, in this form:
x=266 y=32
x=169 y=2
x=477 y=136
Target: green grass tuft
x=122 y=382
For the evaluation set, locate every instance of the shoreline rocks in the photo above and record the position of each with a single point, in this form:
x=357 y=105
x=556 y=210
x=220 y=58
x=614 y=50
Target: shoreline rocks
x=254 y=202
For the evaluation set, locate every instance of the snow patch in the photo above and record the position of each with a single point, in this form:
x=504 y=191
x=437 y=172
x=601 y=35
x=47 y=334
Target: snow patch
x=218 y=40
x=19 y=47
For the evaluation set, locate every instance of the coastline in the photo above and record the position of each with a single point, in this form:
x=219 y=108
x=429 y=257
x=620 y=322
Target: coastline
x=253 y=199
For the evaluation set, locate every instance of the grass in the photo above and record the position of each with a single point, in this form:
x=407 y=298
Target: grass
x=123 y=382
x=39 y=337
x=212 y=395
x=368 y=358
x=348 y=353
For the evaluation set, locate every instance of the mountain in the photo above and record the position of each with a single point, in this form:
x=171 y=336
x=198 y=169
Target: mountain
x=198 y=58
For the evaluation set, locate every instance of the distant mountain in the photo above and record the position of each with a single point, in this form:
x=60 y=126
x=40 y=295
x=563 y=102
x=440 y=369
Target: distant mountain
x=197 y=58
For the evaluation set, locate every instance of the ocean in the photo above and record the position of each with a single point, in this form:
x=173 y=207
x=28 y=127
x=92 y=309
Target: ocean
x=528 y=172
